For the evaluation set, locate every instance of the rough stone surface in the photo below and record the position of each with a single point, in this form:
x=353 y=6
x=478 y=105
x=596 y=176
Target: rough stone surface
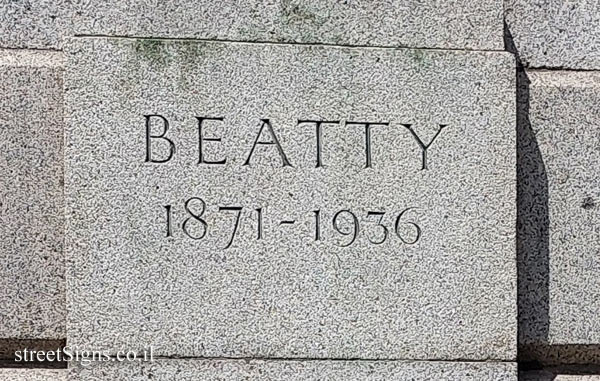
x=33 y=374
x=555 y=33
x=532 y=232
x=8 y=347
x=451 y=295
x=442 y=24
x=213 y=370
x=35 y=23
x=536 y=375
x=544 y=375
x=428 y=24
x=556 y=355
x=31 y=197
x=563 y=109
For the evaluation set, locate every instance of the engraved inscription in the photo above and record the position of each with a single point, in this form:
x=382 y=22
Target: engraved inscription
x=266 y=141
x=345 y=224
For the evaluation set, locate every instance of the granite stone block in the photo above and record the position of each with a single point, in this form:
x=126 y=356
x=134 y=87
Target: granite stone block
x=35 y=24
x=236 y=370
x=14 y=374
x=31 y=196
x=424 y=24
x=555 y=33
x=544 y=375
x=557 y=355
x=262 y=234
x=420 y=24
x=564 y=118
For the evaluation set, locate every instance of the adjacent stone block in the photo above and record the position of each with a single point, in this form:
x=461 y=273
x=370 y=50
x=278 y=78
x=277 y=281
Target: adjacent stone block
x=564 y=121
x=231 y=370
x=556 y=33
x=551 y=376
x=35 y=24
x=432 y=24
x=31 y=196
x=33 y=374
x=262 y=234
x=428 y=24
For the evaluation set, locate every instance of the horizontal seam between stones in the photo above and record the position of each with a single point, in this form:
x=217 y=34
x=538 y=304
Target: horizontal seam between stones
x=191 y=39
x=31 y=49
x=558 y=69
x=323 y=359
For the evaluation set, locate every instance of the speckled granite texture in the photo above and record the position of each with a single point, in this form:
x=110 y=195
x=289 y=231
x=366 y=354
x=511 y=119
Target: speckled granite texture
x=452 y=295
x=35 y=24
x=542 y=375
x=31 y=196
x=555 y=33
x=33 y=374
x=564 y=117
x=425 y=24
x=231 y=370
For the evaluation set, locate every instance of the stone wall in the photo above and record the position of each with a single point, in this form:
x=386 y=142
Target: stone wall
x=134 y=132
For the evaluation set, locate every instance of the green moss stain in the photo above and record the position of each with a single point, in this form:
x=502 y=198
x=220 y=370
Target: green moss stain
x=421 y=58
x=418 y=56
x=293 y=11
x=154 y=51
x=193 y=52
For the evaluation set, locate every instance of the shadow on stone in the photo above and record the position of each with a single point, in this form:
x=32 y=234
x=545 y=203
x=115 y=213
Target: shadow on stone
x=8 y=347
x=532 y=221
x=533 y=253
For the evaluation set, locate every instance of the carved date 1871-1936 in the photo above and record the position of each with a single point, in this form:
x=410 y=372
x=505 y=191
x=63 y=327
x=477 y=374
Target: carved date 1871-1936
x=266 y=136
x=344 y=222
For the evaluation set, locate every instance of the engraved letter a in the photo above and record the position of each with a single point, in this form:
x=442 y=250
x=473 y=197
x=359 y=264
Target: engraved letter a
x=274 y=141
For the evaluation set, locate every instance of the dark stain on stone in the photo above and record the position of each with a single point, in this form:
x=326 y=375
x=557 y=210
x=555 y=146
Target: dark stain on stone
x=152 y=50
x=294 y=11
x=588 y=203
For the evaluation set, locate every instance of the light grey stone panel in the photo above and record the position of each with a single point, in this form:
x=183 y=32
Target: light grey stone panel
x=35 y=24
x=232 y=370
x=450 y=24
x=32 y=285
x=33 y=374
x=564 y=117
x=556 y=33
x=432 y=24
x=449 y=295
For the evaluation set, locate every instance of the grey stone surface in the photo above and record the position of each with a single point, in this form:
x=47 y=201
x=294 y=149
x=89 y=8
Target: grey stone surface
x=532 y=233
x=564 y=117
x=9 y=347
x=429 y=24
x=555 y=33
x=441 y=24
x=35 y=23
x=31 y=199
x=451 y=295
x=232 y=370
x=544 y=375
x=557 y=355
x=33 y=374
